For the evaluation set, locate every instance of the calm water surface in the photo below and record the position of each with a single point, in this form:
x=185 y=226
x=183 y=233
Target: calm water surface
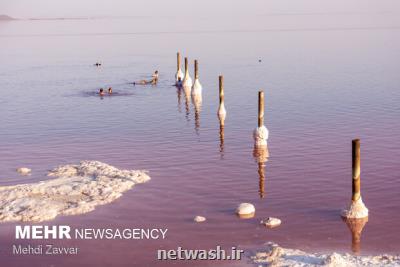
x=325 y=84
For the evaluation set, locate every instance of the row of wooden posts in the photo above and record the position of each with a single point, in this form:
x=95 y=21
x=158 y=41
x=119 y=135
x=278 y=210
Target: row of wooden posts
x=261 y=135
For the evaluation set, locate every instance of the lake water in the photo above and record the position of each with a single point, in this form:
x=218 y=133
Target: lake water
x=325 y=84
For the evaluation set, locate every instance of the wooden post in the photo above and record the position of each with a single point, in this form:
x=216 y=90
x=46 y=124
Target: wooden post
x=178 y=61
x=186 y=64
x=221 y=89
x=196 y=69
x=260 y=108
x=356 y=190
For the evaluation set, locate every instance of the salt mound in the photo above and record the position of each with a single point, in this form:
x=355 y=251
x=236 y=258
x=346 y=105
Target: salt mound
x=245 y=209
x=356 y=210
x=77 y=189
x=24 y=171
x=275 y=255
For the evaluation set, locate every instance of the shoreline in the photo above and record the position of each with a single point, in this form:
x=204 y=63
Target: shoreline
x=274 y=255
x=76 y=189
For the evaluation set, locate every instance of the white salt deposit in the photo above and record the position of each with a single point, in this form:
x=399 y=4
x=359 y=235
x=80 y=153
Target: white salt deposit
x=356 y=210
x=271 y=222
x=196 y=88
x=187 y=80
x=24 y=171
x=222 y=112
x=246 y=210
x=199 y=219
x=273 y=255
x=76 y=189
x=260 y=135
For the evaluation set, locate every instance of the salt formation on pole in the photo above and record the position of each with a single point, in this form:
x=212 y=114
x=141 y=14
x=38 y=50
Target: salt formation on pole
x=179 y=73
x=196 y=88
x=357 y=209
x=221 y=108
x=77 y=189
x=261 y=133
x=187 y=81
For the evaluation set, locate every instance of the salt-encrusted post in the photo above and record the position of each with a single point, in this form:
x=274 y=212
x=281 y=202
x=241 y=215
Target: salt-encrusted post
x=261 y=132
x=196 y=88
x=179 y=73
x=357 y=208
x=221 y=109
x=187 y=80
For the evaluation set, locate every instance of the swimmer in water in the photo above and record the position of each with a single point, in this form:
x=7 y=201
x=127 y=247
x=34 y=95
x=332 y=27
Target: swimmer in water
x=101 y=92
x=110 y=91
x=153 y=81
x=154 y=77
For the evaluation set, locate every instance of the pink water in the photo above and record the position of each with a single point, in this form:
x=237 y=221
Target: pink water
x=324 y=86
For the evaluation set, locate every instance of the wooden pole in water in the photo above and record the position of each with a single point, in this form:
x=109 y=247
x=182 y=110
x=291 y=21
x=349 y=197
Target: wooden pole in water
x=196 y=69
x=178 y=61
x=356 y=185
x=260 y=108
x=221 y=89
x=186 y=64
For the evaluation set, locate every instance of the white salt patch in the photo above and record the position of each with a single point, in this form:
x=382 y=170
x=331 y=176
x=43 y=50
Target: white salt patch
x=260 y=135
x=76 y=189
x=245 y=209
x=24 y=171
x=273 y=255
x=187 y=80
x=356 y=210
x=199 y=219
x=196 y=88
x=222 y=113
x=271 y=222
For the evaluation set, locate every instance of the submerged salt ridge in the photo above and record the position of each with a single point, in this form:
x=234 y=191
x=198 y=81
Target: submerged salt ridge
x=275 y=255
x=77 y=189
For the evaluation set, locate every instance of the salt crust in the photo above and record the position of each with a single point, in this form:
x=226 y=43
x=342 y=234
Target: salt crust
x=76 y=189
x=274 y=255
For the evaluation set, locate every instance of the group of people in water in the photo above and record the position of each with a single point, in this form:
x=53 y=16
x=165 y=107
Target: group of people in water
x=102 y=93
x=152 y=81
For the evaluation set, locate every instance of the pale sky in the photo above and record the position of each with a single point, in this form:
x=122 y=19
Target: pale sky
x=89 y=8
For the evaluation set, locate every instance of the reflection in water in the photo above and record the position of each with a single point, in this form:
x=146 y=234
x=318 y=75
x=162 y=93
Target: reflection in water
x=261 y=155
x=197 y=101
x=187 y=91
x=221 y=138
x=179 y=95
x=356 y=226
